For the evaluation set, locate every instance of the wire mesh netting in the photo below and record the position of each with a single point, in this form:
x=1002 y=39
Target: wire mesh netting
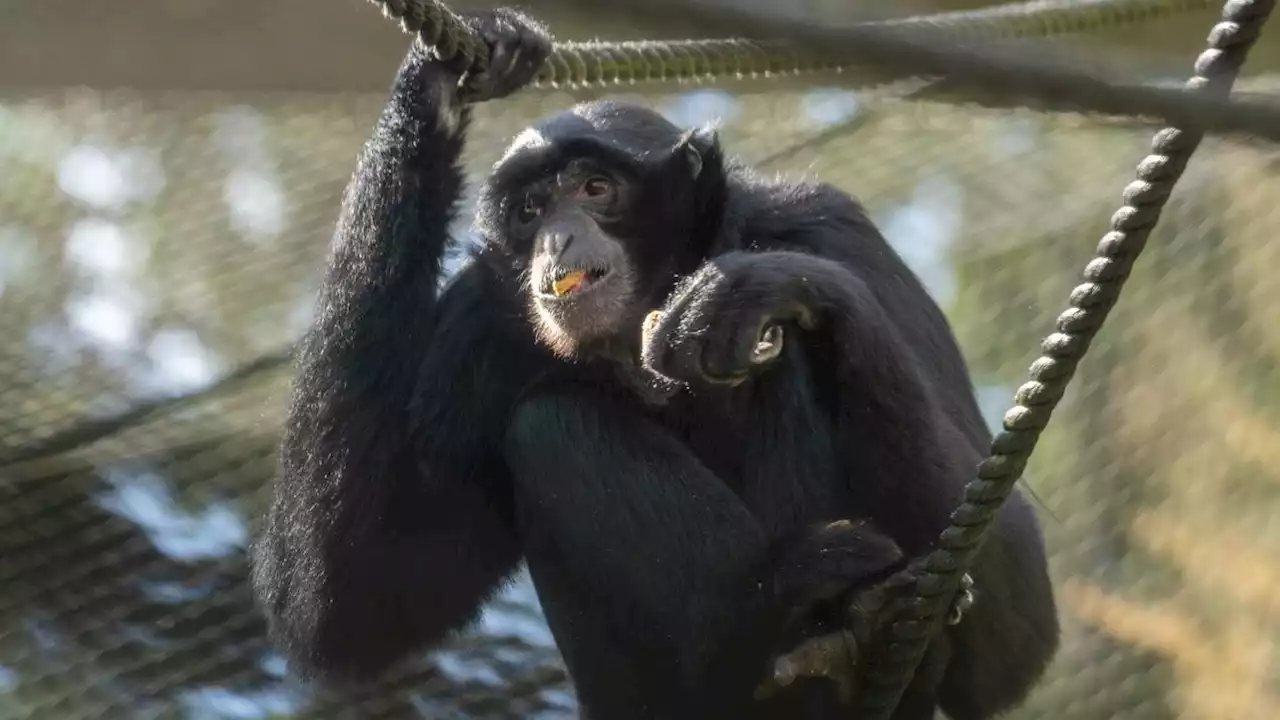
x=153 y=244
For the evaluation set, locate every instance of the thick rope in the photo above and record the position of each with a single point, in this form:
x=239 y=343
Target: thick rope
x=1046 y=18
x=891 y=52
x=596 y=63
x=592 y=63
x=1215 y=73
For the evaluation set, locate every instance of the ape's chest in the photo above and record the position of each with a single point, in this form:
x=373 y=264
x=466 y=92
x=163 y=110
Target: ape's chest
x=715 y=429
x=771 y=441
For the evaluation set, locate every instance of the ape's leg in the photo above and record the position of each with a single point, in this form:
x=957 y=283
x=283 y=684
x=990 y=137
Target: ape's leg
x=650 y=569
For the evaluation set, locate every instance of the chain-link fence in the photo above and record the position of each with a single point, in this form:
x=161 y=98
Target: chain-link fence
x=154 y=243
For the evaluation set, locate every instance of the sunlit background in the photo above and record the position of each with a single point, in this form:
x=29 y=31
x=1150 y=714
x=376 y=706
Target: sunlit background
x=169 y=174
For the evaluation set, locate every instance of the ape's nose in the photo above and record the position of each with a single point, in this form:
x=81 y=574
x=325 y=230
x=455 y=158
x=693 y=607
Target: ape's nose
x=556 y=242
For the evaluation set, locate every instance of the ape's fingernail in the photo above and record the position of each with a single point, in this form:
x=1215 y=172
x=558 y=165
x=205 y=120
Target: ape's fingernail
x=784 y=671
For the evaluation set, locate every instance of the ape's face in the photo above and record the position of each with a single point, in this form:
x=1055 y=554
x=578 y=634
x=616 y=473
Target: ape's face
x=599 y=207
x=583 y=280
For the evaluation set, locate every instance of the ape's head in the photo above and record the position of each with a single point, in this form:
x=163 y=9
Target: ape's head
x=601 y=208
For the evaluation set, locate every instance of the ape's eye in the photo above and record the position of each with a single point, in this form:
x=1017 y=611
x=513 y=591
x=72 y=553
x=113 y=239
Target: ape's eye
x=597 y=187
x=529 y=210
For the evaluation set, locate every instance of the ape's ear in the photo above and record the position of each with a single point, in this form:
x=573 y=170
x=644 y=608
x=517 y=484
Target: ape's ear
x=698 y=148
x=698 y=154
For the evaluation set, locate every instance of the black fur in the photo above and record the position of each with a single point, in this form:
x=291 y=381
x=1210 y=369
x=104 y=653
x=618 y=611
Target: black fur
x=432 y=440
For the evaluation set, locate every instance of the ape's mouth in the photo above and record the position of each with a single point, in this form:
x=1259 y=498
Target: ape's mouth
x=564 y=282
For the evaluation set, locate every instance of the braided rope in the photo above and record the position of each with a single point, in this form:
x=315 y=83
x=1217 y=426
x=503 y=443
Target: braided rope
x=595 y=63
x=1215 y=72
x=1045 y=18
x=913 y=50
x=439 y=29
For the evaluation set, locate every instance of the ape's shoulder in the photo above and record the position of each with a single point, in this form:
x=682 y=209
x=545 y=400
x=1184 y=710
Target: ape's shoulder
x=764 y=213
x=800 y=197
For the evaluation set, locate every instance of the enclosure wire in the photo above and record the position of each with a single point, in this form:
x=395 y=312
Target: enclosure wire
x=892 y=667
x=1215 y=72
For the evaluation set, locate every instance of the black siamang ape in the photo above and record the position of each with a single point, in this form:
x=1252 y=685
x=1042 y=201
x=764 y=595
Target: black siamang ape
x=666 y=382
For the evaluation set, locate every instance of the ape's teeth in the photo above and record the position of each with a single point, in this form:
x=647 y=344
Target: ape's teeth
x=568 y=282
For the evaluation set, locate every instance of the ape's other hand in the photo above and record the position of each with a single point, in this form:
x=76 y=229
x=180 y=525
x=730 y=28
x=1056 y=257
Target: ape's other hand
x=517 y=46
x=726 y=319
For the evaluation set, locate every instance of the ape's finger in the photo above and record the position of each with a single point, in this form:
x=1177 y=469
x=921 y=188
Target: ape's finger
x=648 y=328
x=679 y=334
x=656 y=338
x=673 y=338
x=500 y=61
x=726 y=355
x=705 y=342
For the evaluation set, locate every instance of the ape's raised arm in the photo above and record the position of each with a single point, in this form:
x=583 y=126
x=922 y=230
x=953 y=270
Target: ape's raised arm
x=390 y=521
